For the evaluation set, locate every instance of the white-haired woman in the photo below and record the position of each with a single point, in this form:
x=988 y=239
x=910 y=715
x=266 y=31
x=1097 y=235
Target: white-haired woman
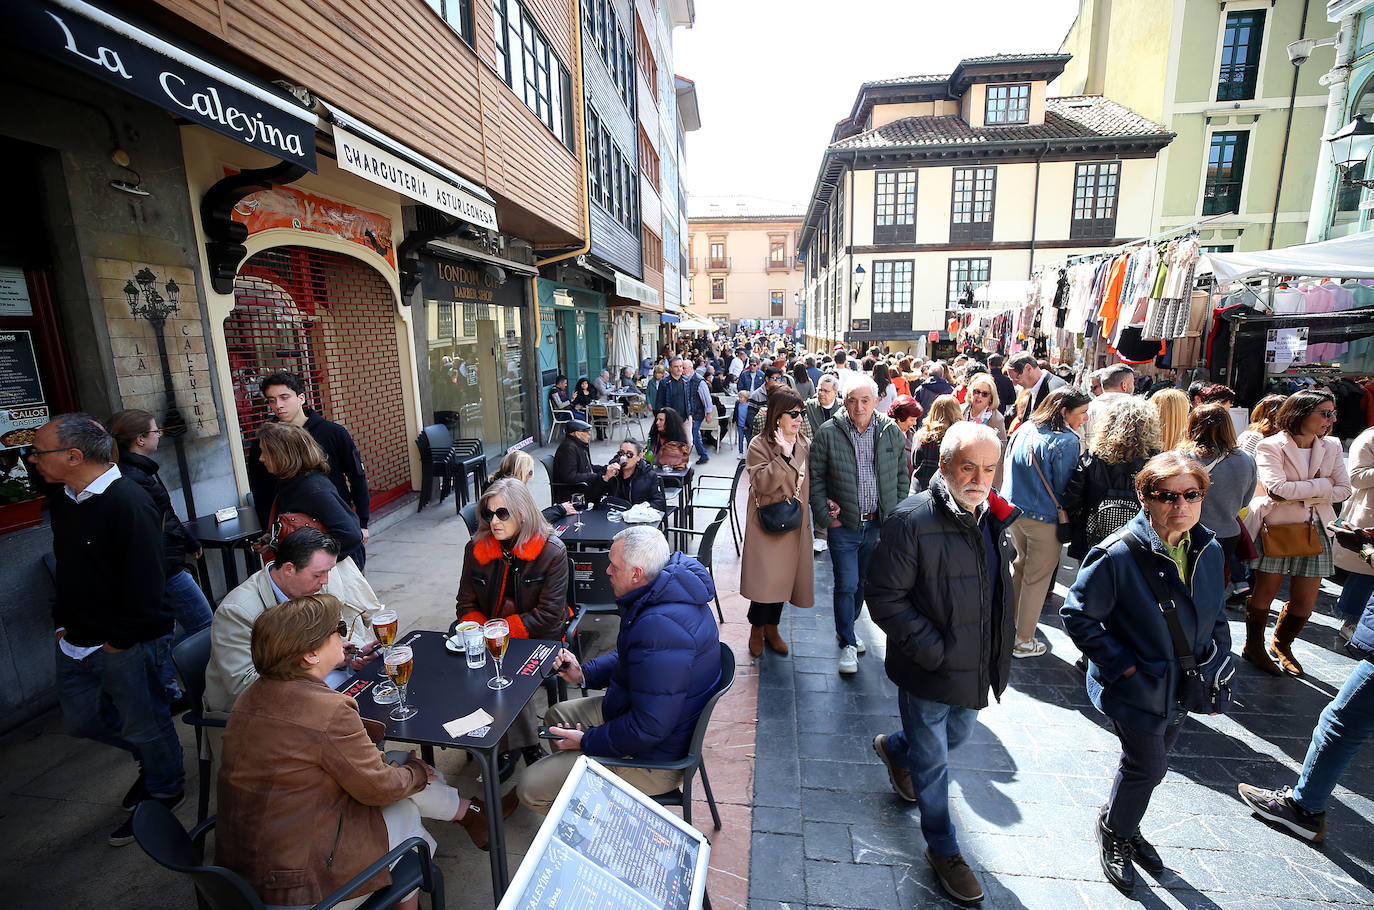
x=981 y=405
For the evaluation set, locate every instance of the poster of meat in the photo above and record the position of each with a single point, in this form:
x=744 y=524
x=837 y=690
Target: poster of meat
x=289 y=207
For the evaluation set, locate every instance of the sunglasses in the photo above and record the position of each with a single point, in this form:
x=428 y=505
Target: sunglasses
x=502 y=513
x=624 y=454
x=794 y=413
x=1169 y=497
x=980 y=393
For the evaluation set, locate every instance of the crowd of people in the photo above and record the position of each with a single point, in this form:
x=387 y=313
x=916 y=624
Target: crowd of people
x=942 y=494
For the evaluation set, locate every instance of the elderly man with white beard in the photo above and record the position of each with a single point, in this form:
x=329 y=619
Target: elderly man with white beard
x=940 y=587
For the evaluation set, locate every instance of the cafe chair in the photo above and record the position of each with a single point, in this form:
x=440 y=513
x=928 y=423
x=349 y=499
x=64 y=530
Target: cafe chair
x=469 y=513
x=560 y=492
x=434 y=443
x=560 y=419
x=169 y=844
x=469 y=459
x=190 y=656
x=599 y=416
x=709 y=493
x=692 y=762
x=705 y=549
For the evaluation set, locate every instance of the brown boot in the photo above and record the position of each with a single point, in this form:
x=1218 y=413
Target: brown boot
x=1291 y=621
x=756 y=641
x=770 y=635
x=1256 y=618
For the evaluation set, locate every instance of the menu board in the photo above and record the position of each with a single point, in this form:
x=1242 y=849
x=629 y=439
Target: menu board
x=606 y=846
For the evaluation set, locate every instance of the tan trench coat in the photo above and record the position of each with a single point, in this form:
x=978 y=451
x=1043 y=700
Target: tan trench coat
x=777 y=567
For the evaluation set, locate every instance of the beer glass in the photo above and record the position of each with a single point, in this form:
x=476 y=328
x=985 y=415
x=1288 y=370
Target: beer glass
x=497 y=634
x=385 y=625
x=399 y=662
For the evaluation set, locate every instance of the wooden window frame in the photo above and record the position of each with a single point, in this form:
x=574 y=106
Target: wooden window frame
x=971 y=230
x=714 y=298
x=776 y=301
x=963 y=266
x=894 y=289
x=899 y=224
x=448 y=10
x=1239 y=81
x=644 y=54
x=649 y=163
x=539 y=67
x=1235 y=184
x=1009 y=110
x=1093 y=214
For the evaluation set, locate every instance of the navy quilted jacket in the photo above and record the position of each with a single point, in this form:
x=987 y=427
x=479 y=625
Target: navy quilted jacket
x=665 y=666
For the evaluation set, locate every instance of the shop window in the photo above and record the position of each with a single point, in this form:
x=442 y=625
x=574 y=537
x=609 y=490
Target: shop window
x=1240 y=55
x=972 y=209
x=1095 y=188
x=1008 y=105
x=894 y=207
x=966 y=276
x=1225 y=172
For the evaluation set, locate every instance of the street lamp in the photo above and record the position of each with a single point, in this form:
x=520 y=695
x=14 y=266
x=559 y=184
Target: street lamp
x=859 y=275
x=1350 y=147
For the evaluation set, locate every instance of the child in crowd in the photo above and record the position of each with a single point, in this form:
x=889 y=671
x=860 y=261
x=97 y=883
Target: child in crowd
x=743 y=432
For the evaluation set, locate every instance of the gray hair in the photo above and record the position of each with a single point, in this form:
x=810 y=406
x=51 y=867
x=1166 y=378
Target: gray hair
x=87 y=435
x=966 y=433
x=860 y=381
x=1020 y=360
x=937 y=369
x=644 y=547
x=830 y=378
x=1113 y=376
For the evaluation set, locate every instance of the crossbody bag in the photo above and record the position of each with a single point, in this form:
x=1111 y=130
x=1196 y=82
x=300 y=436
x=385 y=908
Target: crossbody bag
x=1064 y=530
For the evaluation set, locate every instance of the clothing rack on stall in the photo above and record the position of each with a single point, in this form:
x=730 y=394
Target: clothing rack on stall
x=1180 y=231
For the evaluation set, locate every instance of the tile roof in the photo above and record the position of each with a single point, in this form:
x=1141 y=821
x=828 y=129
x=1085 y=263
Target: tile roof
x=1073 y=117
x=1008 y=58
x=909 y=80
x=706 y=207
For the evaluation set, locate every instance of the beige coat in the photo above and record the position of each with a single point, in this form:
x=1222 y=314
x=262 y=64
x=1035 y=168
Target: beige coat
x=1291 y=492
x=1359 y=509
x=777 y=567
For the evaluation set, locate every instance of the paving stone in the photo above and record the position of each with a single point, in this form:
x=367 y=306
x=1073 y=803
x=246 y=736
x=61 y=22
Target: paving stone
x=778 y=857
x=866 y=775
x=827 y=841
x=771 y=819
x=850 y=886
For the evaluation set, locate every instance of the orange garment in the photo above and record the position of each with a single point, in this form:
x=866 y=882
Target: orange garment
x=901 y=384
x=1111 y=298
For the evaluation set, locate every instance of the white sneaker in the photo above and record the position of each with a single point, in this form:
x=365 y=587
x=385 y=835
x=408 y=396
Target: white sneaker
x=819 y=546
x=849 y=661
x=859 y=647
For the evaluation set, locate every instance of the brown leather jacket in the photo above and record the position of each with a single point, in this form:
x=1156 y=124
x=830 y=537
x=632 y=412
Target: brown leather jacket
x=301 y=790
x=529 y=590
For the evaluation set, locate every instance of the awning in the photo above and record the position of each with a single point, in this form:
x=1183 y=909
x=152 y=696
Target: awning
x=377 y=157
x=625 y=286
x=1342 y=257
x=668 y=317
x=185 y=81
x=1002 y=293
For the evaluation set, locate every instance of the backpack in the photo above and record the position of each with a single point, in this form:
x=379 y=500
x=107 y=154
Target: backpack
x=1110 y=516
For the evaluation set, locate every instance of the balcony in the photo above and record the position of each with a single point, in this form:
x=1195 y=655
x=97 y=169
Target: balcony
x=718 y=263
x=780 y=264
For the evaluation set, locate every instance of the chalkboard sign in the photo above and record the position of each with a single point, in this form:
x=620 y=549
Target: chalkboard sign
x=19 y=383
x=605 y=845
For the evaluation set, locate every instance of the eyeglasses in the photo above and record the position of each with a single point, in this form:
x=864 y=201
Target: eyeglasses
x=1169 y=497
x=1326 y=414
x=794 y=413
x=980 y=393
x=502 y=513
x=154 y=432
x=30 y=451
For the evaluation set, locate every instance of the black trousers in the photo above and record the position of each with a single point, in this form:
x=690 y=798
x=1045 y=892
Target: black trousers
x=1144 y=762
x=764 y=614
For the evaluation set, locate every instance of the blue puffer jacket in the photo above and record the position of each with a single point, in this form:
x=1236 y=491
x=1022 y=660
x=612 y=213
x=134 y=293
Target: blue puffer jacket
x=665 y=666
x=1116 y=622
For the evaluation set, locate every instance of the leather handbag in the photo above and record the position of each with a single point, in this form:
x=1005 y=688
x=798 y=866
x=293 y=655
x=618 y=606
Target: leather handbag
x=1064 y=529
x=781 y=517
x=674 y=455
x=1205 y=688
x=1300 y=539
x=278 y=526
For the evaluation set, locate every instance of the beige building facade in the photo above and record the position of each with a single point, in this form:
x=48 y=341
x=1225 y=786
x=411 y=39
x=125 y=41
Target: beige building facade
x=744 y=269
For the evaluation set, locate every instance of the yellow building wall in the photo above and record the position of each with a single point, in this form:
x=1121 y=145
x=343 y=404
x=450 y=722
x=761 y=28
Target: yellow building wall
x=748 y=284
x=883 y=114
x=933 y=202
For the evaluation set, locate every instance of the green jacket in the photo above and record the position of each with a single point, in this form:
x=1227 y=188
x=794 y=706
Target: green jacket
x=835 y=469
x=816 y=415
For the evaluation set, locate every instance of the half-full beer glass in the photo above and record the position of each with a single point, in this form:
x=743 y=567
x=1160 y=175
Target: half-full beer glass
x=385 y=625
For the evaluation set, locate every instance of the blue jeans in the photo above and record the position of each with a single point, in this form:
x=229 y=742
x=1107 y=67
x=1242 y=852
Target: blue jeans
x=188 y=602
x=1343 y=726
x=850 y=553
x=929 y=730
x=696 y=438
x=118 y=699
x=1355 y=593
x=744 y=435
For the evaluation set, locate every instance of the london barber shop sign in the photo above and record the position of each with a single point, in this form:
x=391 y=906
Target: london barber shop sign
x=184 y=82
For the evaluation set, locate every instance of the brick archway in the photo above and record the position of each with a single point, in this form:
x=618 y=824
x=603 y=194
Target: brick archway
x=330 y=319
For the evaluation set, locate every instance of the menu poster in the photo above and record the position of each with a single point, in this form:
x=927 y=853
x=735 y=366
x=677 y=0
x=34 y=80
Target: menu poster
x=19 y=383
x=606 y=846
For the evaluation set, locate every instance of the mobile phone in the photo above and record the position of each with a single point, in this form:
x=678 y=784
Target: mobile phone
x=545 y=734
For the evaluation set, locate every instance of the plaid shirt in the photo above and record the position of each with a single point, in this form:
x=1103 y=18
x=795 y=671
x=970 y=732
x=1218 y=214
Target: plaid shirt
x=863 y=453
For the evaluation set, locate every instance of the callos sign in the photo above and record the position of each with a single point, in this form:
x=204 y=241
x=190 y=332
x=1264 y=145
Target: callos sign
x=143 y=64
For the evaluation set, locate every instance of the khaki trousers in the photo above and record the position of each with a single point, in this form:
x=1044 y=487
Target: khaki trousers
x=540 y=783
x=1032 y=572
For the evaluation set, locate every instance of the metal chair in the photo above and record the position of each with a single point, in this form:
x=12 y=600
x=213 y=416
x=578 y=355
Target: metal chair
x=190 y=656
x=714 y=496
x=692 y=762
x=164 y=839
x=434 y=443
x=705 y=549
x=599 y=416
x=560 y=418
x=559 y=492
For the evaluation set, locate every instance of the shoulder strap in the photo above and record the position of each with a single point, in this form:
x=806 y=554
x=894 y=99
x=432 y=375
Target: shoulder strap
x=1143 y=557
x=1048 y=489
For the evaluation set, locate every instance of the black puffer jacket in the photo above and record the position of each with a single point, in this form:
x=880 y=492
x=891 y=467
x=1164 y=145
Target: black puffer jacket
x=929 y=590
x=1092 y=481
x=572 y=463
x=641 y=486
x=177 y=538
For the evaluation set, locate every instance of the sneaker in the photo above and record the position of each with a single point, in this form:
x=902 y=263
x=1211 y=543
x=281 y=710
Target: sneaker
x=955 y=877
x=1115 y=854
x=1239 y=589
x=124 y=834
x=859 y=646
x=1278 y=807
x=1033 y=648
x=849 y=660
x=900 y=776
x=1348 y=630
x=137 y=794
x=703 y=459
x=819 y=546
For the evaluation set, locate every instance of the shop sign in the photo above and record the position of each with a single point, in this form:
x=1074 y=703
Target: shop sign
x=466 y=282
x=22 y=407
x=860 y=325
x=14 y=293
x=295 y=209
x=358 y=156
x=144 y=65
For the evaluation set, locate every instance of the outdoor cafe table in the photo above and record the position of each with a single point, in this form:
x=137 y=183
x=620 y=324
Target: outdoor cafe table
x=235 y=534
x=444 y=689
x=597 y=529
x=682 y=479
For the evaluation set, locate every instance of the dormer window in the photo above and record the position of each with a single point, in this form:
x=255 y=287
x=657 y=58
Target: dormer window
x=1008 y=104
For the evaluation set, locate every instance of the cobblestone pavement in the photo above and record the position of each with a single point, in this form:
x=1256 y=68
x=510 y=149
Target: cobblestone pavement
x=829 y=832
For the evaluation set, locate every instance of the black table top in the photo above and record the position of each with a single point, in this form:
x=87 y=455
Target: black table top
x=444 y=689
x=213 y=533
x=597 y=528
x=674 y=475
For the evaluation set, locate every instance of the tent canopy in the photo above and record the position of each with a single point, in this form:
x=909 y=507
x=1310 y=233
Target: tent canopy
x=1342 y=257
x=693 y=324
x=1002 y=293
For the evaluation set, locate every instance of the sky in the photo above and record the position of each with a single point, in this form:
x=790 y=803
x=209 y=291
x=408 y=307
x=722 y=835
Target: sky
x=773 y=77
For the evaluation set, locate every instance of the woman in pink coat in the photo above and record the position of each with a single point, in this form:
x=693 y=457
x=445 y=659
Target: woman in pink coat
x=1303 y=473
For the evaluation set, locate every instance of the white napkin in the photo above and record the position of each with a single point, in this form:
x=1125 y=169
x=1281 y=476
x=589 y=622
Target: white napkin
x=642 y=513
x=462 y=726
